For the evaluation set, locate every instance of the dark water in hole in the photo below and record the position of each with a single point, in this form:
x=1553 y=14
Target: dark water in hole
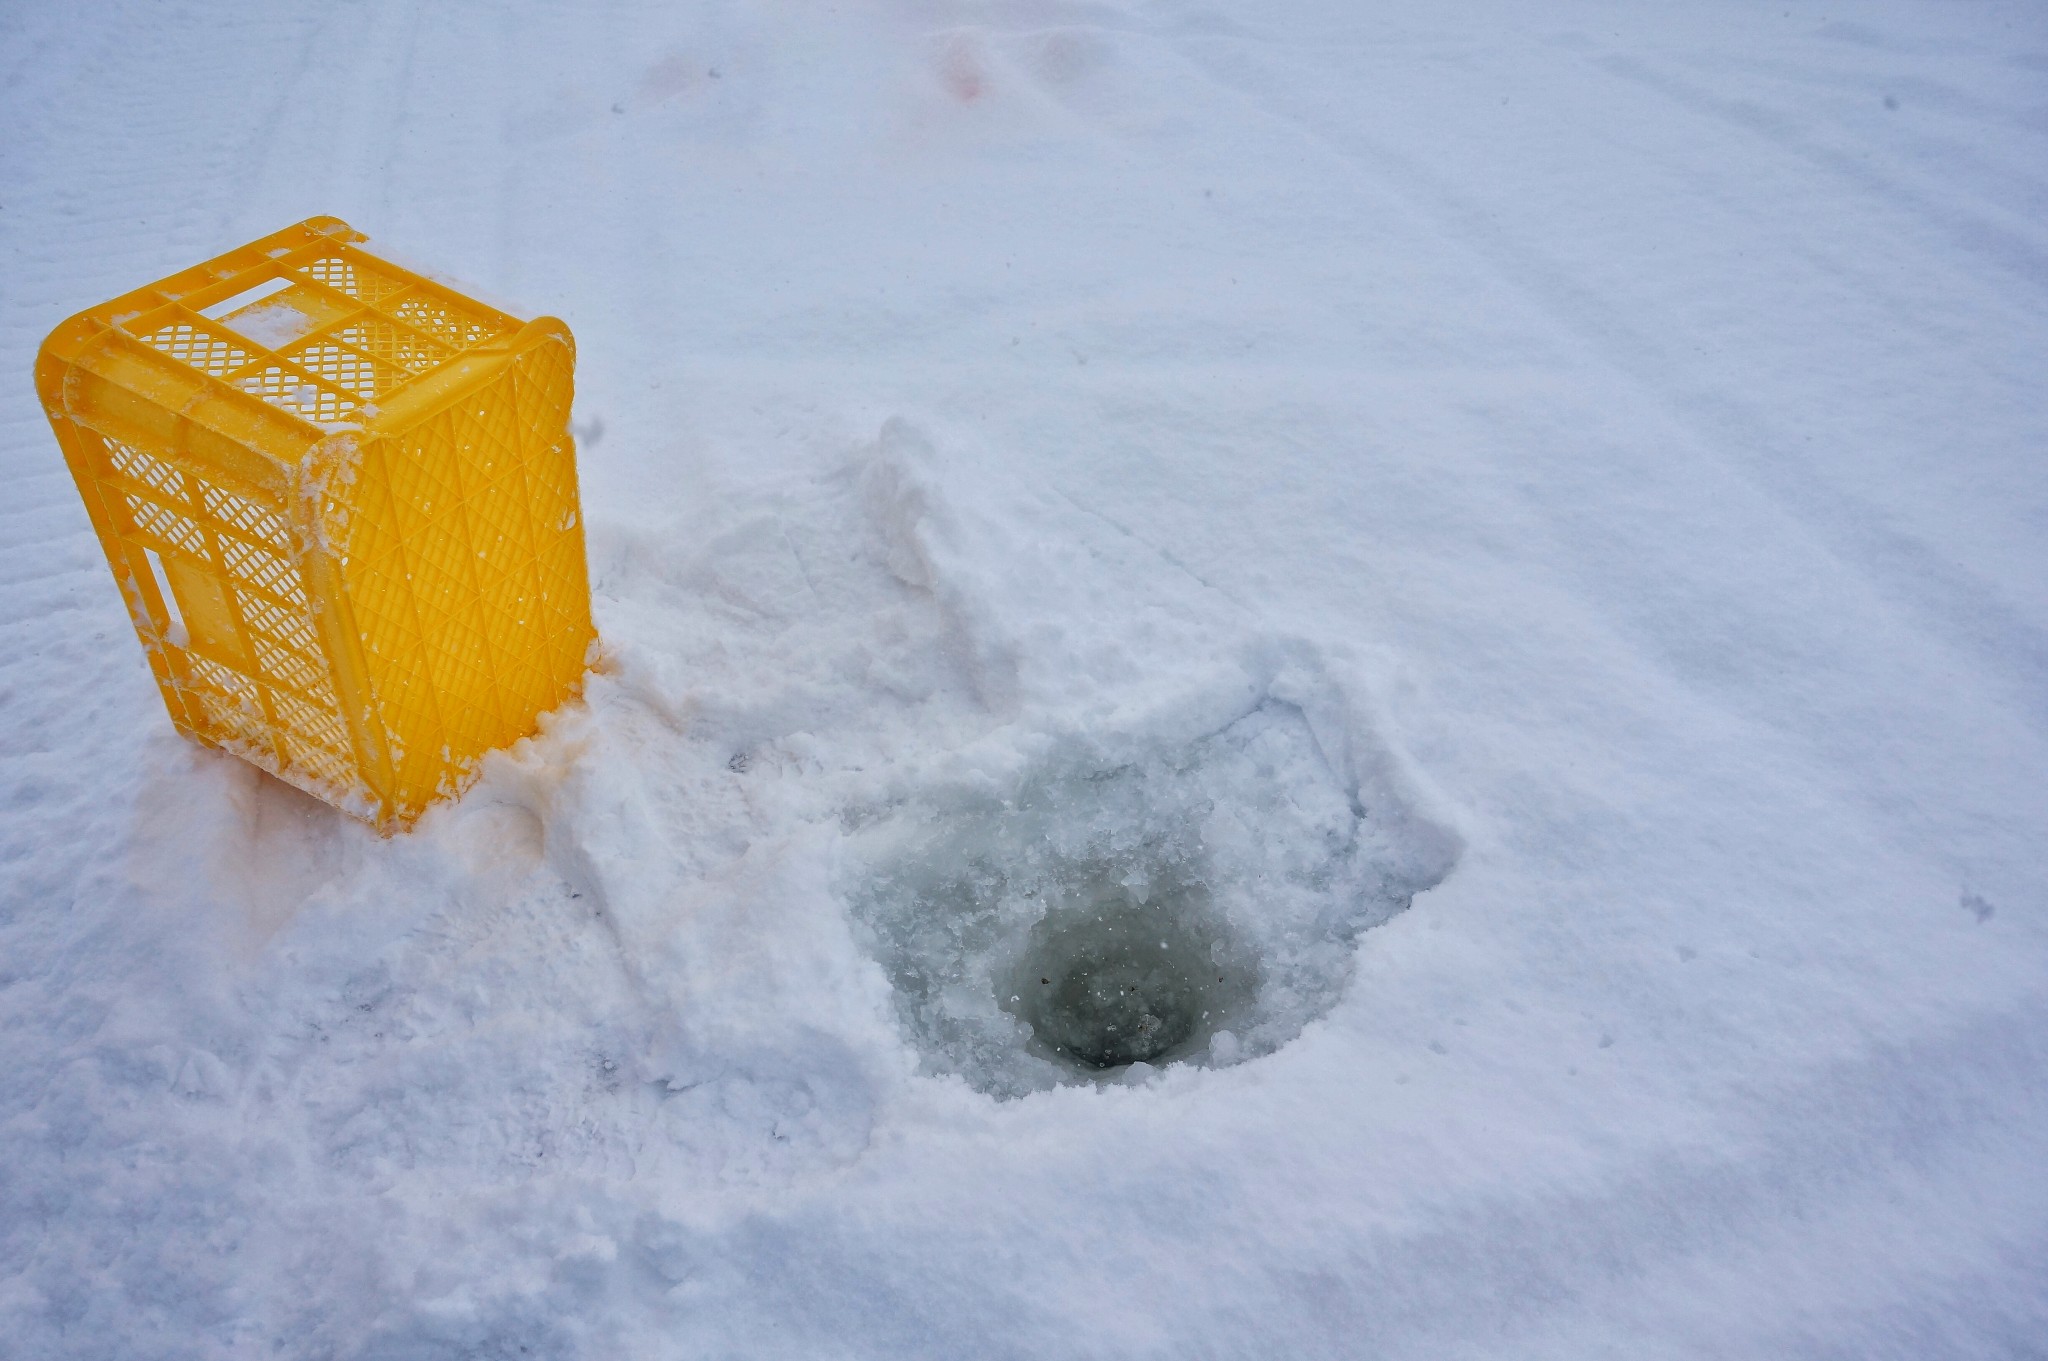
x=1120 y=981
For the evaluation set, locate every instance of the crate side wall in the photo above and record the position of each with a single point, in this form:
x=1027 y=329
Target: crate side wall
x=212 y=583
x=460 y=577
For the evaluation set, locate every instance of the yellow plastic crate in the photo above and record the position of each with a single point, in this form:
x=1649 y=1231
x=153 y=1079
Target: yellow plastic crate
x=340 y=501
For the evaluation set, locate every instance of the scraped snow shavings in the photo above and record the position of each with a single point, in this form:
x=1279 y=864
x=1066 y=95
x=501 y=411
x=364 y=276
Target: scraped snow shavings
x=1275 y=681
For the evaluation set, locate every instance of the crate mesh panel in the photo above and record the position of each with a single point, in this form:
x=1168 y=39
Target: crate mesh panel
x=160 y=477
x=357 y=280
x=207 y=351
x=297 y=393
x=344 y=367
x=279 y=623
x=249 y=563
x=248 y=518
x=443 y=321
x=168 y=528
x=393 y=343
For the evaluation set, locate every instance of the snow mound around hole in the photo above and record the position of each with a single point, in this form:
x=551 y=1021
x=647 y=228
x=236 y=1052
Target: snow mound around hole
x=1196 y=903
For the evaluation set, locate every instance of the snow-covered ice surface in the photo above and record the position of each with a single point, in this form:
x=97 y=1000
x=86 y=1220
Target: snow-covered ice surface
x=1239 y=463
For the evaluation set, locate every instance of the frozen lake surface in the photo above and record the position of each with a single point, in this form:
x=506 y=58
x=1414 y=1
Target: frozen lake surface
x=1293 y=680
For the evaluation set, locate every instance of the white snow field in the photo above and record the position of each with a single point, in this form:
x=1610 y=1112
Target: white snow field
x=1513 y=534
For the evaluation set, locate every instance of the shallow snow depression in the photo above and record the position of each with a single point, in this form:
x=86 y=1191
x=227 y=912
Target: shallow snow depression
x=1196 y=903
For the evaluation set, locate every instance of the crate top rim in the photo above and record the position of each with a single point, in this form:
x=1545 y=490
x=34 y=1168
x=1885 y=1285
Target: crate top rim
x=182 y=297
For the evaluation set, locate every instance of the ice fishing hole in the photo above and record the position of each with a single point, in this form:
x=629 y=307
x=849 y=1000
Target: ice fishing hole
x=1096 y=921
